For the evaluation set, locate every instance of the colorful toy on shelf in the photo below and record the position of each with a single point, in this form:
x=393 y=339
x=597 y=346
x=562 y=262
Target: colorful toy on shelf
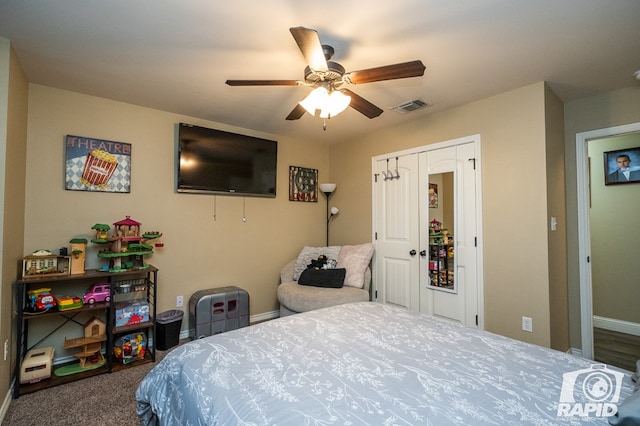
x=44 y=263
x=126 y=246
x=130 y=347
x=78 y=255
x=40 y=300
x=66 y=303
x=36 y=365
x=131 y=312
x=90 y=354
x=98 y=293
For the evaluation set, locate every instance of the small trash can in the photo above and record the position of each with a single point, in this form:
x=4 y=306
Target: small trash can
x=168 y=325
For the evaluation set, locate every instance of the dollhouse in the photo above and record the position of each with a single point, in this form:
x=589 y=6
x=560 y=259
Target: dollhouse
x=126 y=247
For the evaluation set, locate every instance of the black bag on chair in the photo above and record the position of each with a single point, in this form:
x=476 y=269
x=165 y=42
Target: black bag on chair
x=328 y=278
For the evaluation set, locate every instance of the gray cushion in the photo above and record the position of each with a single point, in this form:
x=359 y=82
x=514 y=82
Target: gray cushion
x=300 y=298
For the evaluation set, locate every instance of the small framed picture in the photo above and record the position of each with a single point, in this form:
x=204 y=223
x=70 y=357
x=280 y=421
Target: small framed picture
x=303 y=184
x=622 y=166
x=433 y=195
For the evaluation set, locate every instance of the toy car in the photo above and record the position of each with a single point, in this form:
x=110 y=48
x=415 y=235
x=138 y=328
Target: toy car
x=40 y=300
x=45 y=301
x=98 y=293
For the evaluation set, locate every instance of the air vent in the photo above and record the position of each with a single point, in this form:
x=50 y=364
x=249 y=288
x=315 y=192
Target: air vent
x=410 y=106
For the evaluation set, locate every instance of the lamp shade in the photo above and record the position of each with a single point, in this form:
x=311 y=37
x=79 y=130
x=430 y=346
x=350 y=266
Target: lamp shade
x=315 y=100
x=329 y=104
x=327 y=188
x=336 y=103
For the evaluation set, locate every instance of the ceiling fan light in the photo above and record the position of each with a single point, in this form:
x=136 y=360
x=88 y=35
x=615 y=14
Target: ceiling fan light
x=315 y=100
x=336 y=103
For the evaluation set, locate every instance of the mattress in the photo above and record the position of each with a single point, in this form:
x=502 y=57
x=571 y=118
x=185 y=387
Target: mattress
x=366 y=364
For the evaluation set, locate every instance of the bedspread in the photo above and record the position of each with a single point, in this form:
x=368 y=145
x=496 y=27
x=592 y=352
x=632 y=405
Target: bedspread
x=361 y=364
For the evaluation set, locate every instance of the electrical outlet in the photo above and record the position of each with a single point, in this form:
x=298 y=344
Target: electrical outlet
x=527 y=324
x=179 y=301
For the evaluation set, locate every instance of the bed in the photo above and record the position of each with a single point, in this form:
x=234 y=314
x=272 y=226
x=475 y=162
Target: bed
x=362 y=364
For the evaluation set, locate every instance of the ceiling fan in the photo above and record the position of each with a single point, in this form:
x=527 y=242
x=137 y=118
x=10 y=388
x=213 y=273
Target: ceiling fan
x=328 y=77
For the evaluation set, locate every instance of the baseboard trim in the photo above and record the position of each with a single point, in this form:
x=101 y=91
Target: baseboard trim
x=264 y=317
x=575 y=351
x=5 y=404
x=184 y=334
x=620 y=326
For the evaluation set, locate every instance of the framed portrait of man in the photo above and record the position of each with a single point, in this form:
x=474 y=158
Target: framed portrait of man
x=622 y=166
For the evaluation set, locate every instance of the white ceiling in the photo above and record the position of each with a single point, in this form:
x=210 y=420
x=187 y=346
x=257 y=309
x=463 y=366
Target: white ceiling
x=176 y=55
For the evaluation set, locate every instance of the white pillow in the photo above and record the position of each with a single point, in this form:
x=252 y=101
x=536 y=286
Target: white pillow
x=311 y=253
x=355 y=259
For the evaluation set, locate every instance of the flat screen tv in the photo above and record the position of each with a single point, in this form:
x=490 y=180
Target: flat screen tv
x=218 y=162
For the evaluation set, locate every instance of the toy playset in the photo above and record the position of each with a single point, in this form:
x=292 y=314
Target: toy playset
x=89 y=347
x=131 y=347
x=36 y=365
x=126 y=246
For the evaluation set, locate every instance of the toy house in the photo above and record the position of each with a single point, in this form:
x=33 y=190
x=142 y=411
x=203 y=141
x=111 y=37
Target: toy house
x=90 y=355
x=44 y=262
x=127 y=246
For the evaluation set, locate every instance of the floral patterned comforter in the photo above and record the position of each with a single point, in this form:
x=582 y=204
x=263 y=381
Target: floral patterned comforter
x=363 y=364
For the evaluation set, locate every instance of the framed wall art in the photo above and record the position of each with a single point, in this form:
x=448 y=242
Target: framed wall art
x=303 y=184
x=622 y=166
x=97 y=165
x=433 y=195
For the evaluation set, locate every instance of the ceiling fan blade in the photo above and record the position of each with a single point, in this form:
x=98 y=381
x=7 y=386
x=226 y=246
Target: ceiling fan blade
x=296 y=113
x=362 y=105
x=311 y=48
x=263 y=82
x=387 y=72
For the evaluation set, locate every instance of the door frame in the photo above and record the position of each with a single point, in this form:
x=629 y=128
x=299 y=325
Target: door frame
x=584 y=230
x=475 y=139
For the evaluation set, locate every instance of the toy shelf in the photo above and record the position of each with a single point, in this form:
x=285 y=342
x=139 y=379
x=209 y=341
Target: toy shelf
x=143 y=280
x=69 y=312
x=23 y=389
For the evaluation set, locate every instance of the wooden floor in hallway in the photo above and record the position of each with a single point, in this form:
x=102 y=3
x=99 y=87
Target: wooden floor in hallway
x=615 y=348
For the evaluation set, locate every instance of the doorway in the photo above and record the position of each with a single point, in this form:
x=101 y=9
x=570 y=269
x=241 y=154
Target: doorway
x=603 y=302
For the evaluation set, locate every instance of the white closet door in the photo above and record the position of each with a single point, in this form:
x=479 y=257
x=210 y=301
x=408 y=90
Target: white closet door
x=396 y=239
x=460 y=305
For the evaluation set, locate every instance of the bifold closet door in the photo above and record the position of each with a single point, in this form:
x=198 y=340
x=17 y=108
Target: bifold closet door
x=396 y=212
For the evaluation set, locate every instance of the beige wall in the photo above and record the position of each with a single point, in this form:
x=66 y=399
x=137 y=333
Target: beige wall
x=557 y=240
x=615 y=236
x=200 y=251
x=512 y=130
x=598 y=112
x=13 y=126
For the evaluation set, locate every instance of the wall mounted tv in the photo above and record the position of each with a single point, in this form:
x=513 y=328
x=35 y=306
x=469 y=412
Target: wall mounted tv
x=219 y=162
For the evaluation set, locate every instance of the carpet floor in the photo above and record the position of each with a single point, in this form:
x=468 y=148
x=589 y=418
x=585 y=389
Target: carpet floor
x=107 y=399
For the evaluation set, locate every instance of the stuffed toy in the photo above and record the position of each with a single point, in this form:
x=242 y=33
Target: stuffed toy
x=322 y=262
x=318 y=263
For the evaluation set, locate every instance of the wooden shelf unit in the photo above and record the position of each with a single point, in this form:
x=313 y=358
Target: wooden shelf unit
x=106 y=309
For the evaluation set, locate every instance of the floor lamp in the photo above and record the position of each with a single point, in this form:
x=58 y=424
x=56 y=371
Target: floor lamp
x=327 y=189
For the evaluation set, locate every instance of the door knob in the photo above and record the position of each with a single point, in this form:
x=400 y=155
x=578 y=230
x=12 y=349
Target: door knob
x=412 y=252
x=423 y=253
